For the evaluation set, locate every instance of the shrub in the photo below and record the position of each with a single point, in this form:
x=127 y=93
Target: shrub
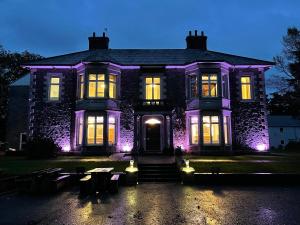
x=178 y=151
x=41 y=148
x=293 y=146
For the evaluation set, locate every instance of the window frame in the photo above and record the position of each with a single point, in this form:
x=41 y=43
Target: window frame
x=81 y=86
x=250 y=85
x=97 y=82
x=210 y=130
x=114 y=83
x=196 y=83
x=191 y=123
x=115 y=129
x=95 y=130
x=79 y=125
x=209 y=82
x=50 y=84
x=152 y=88
x=227 y=122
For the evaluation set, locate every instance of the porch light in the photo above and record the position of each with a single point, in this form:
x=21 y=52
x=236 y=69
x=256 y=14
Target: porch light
x=152 y=121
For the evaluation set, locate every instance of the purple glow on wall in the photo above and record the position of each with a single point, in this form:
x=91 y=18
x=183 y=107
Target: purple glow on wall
x=261 y=147
x=66 y=148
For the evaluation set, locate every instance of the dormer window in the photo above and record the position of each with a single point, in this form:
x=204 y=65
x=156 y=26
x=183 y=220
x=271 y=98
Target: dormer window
x=54 y=88
x=209 y=85
x=152 y=88
x=96 y=86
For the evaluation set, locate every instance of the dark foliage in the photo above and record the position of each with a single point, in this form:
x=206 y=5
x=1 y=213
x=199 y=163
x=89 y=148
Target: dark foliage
x=41 y=148
x=292 y=146
x=287 y=101
x=10 y=71
x=178 y=151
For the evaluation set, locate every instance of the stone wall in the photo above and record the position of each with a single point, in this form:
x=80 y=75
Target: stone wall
x=53 y=119
x=249 y=118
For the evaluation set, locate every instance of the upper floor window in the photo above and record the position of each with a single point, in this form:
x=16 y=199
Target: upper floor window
x=54 y=87
x=95 y=130
x=211 y=127
x=112 y=86
x=152 y=91
x=225 y=86
x=193 y=86
x=96 y=85
x=194 y=130
x=81 y=86
x=246 y=88
x=209 y=85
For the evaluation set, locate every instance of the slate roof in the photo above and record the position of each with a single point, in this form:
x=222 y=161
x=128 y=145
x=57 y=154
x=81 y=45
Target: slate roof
x=283 y=121
x=23 y=81
x=148 y=57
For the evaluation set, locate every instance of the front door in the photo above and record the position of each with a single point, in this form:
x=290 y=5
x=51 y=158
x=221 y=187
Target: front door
x=153 y=137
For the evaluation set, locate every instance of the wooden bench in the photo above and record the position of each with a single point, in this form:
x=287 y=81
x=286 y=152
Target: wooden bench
x=114 y=183
x=60 y=182
x=85 y=185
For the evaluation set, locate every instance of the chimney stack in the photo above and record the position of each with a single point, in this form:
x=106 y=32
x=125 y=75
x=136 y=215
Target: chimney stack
x=98 y=42
x=196 y=42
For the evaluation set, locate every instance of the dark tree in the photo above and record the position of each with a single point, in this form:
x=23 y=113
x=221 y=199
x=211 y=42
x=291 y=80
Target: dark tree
x=10 y=70
x=287 y=100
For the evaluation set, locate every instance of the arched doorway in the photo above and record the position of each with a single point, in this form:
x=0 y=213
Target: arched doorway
x=153 y=135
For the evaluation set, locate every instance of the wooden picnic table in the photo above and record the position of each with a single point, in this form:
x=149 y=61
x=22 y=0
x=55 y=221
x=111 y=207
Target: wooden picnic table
x=100 y=178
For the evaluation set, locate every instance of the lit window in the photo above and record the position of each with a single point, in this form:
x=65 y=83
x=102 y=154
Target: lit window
x=54 y=88
x=211 y=130
x=79 y=134
x=95 y=130
x=246 y=87
x=209 y=85
x=226 y=130
x=111 y=130
x=152 y=88
x=112 y=86
x=193 y=86
x=194 y=130
x=96 y=85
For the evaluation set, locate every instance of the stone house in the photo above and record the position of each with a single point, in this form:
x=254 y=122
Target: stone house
x=104 y=100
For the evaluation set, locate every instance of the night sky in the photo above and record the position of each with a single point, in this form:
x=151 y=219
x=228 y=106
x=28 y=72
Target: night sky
x=249 y=28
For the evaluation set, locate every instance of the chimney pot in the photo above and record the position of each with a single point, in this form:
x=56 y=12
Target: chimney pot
x=98 y=42
x=196 y=42
x=103 y=34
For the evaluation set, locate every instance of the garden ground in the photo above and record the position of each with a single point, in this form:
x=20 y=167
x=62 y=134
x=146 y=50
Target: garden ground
x=279 y=163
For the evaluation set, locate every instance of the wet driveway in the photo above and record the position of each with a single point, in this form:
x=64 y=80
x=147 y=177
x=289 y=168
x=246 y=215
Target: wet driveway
x=158 y=204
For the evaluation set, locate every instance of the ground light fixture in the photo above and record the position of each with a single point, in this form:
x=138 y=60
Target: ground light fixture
x=187 y=168
x=131 y=168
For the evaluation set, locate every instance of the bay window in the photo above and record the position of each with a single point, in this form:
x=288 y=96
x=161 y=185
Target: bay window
x=54 y=88
x=246 y=88
x=152 y=88
x=209 y=85
x=95 y=130
x=211 y=127
x=226 y=122
x=112 y=86
x=193 y=86
x=79 y=134
x=96 y=85
x=111 y=130
x=81 y=86
x=194 y=130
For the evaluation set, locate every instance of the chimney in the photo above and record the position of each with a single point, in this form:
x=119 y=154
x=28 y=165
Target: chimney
x=196 y=42
x=98 y=42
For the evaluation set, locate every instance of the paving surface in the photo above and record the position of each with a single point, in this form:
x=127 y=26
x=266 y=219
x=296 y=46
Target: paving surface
x=158 y=204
